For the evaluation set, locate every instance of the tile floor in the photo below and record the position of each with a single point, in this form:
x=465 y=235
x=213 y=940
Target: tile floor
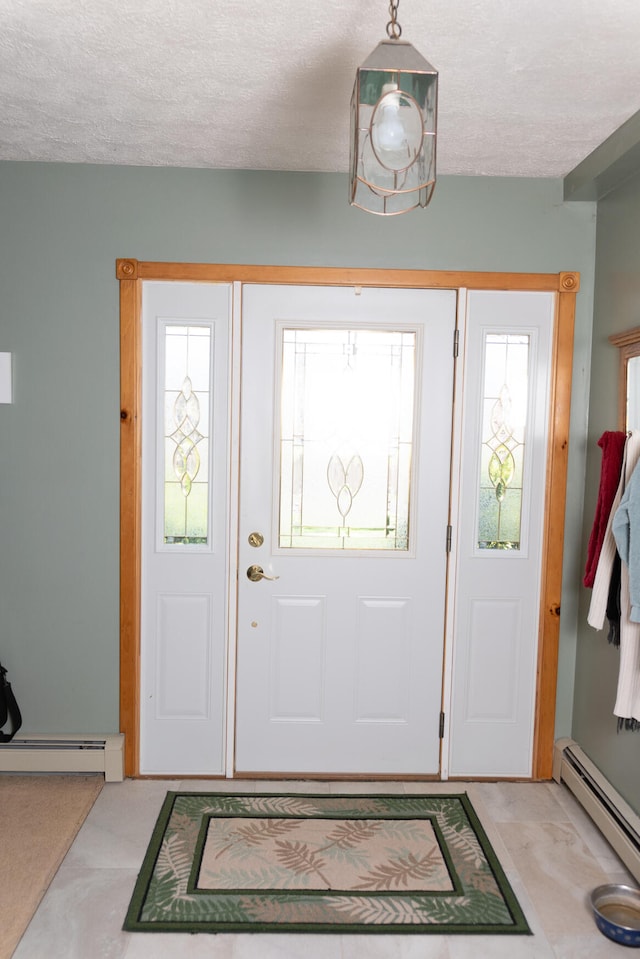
x=548 y=847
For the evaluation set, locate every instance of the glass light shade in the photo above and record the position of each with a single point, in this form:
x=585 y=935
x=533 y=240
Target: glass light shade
x=393 y=130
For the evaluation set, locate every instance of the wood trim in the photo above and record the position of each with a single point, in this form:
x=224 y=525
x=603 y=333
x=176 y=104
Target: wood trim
x=130 y=517
x=628 y=344
x=553 y=543
x=338 y=276
x=628 y=338
x=131 y=272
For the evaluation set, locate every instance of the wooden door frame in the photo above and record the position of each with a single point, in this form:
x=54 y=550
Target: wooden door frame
x=131 y=273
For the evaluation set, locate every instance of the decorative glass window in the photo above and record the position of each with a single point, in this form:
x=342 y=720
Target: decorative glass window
x=505 y=391
x=187 y=402
x=346 y=440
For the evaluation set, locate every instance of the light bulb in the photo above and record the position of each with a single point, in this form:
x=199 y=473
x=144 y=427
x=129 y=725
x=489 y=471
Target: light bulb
x=390 y=132
x=396 y=129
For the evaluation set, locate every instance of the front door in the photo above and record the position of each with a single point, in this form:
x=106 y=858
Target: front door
x=346 y=419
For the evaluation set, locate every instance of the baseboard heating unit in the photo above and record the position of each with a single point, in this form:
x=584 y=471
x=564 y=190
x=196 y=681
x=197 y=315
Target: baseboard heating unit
x=615 y=819
x=40 y=753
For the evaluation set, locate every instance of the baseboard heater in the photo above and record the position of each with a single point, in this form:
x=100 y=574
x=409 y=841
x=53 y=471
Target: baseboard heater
x=40 y=753
x=615 y=819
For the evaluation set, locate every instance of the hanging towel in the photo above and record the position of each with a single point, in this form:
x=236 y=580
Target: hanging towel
x=602 y=581
x=612 y=446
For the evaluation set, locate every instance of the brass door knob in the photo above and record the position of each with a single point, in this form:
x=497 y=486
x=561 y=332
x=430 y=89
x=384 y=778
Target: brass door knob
x=256 y=573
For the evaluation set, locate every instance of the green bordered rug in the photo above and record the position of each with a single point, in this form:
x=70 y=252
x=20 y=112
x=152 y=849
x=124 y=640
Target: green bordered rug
x=305 y=863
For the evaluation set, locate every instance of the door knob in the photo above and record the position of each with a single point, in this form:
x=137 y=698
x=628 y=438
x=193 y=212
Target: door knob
x=256 y=573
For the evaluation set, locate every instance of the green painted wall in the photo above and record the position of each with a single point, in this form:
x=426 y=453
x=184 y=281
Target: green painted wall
x=617 y=308
x=61 y=229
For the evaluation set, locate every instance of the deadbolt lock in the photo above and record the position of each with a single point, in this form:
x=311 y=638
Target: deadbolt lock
x=256 y=539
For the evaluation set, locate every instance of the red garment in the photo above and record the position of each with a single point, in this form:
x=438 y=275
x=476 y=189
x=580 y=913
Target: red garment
x=612 y=445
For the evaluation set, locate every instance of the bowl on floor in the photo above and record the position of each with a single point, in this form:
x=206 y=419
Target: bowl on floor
x=616 y=910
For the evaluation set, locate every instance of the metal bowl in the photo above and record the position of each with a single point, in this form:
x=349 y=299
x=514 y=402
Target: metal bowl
x=616 y=910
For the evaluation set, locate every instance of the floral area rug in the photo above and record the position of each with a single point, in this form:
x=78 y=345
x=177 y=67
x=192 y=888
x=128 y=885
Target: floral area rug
x=321 y=863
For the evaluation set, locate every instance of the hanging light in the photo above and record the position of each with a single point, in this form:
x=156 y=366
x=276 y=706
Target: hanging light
x=393 y=127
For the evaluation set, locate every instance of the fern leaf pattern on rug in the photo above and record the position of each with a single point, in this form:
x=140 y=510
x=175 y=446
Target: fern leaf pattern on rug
x=305 y=863
x=310 y=853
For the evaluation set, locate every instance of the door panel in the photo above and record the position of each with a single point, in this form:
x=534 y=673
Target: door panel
x=382 y=674
x=340 y=650
x=507 y=366
x=185 y=330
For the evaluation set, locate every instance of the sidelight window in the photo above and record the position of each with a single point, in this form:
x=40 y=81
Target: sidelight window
x=503 y=447
x=186 y=434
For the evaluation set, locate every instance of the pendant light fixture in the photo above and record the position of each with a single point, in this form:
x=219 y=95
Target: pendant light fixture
x=393 y=127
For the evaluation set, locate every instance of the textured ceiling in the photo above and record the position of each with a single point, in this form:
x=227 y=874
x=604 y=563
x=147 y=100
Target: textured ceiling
x=526 y=88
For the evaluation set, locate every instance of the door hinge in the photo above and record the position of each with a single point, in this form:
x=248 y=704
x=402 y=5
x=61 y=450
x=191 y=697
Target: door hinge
x=456 y=343
x=449 y=538
x=441 y=727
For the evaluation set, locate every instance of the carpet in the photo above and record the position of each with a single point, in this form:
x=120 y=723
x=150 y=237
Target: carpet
x=41 y=816
x=321 y=863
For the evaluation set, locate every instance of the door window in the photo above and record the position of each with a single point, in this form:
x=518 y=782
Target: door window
x=504 y=427
x=187 y=400
x=346 y=438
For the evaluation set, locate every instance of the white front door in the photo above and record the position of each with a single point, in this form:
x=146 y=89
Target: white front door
x=346 y=419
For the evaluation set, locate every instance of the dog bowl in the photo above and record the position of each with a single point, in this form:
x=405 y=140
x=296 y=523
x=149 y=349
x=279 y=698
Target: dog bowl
x=616 y=910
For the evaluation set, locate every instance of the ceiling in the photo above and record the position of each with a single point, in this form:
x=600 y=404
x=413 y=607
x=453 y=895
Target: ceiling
x=526 y=88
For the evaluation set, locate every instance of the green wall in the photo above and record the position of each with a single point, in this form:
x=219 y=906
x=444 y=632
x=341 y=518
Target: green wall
x=61 y=229
x=617 y=308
